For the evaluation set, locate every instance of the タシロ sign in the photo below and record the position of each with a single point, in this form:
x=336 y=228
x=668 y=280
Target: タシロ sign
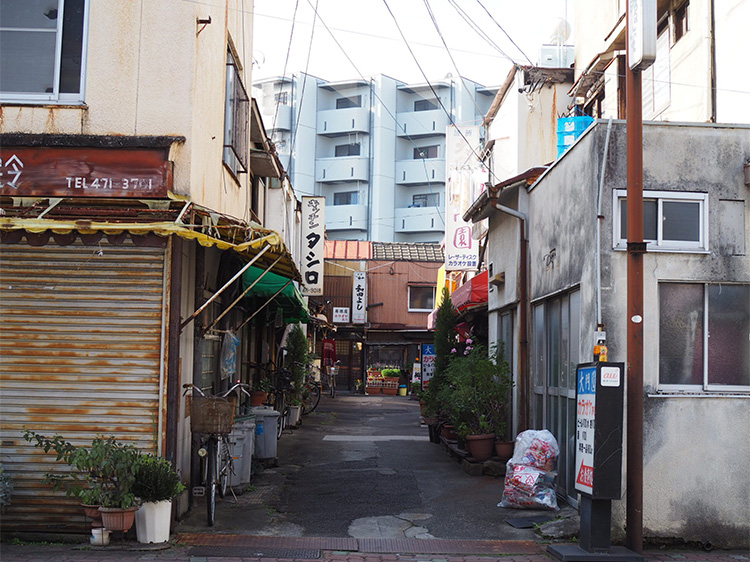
x=313 y=244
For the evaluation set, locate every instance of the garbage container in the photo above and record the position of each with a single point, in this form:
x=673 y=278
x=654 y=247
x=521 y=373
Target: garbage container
x=402 y=390
x=266 y=420
x=242 y=439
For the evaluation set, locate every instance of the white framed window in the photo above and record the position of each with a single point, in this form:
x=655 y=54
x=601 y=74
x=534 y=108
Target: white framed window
x=347 y=150
x=421 y=299
x=43 y=50
x=704 y=337
x=673 y=221
x=425 y=200
x=427 y=152
x=346 y=198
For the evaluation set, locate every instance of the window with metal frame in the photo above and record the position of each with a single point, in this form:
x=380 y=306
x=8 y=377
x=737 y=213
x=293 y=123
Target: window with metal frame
x=426 y=152
x=346 y=198
x=42 y=50
x=425 y=105
x=704 y=336
x=347 y=150
x=347 y=102
x=672 y=221
x=236 y=119
x=425 y=200
x=421 y=299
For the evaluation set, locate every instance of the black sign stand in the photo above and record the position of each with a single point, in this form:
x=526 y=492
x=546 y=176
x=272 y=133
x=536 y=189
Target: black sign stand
x=599 y=398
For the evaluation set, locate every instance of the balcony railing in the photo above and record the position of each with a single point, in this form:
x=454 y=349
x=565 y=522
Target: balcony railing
x=430 y=170
x=346 y=217
x=336 y=122
x=343 y=168
x=419 y=219
x=421 y=123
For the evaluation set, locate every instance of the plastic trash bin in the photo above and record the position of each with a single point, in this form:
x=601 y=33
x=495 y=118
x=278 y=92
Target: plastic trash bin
x=266 y=420
x=242 y=440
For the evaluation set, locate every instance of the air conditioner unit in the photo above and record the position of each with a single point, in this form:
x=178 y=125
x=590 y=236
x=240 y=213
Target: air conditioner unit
x=556 y=56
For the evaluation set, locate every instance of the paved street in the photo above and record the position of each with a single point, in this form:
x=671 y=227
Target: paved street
x=359 y=481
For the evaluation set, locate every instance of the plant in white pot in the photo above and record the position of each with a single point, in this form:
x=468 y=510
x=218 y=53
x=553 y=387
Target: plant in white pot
x=156 y=485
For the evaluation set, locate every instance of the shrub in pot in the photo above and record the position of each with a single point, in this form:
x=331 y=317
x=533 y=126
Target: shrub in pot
x=156 y=485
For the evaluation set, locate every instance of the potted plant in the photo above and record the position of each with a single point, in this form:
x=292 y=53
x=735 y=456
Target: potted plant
x=156 y=485
x=103 y=473
x=477 y=397
x=298 y=358
x=259 y=393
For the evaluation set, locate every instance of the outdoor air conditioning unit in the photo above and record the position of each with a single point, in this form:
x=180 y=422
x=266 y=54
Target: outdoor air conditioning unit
x=556 y=56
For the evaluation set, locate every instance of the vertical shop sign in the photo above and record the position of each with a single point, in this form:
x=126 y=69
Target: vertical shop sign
x=428 y=363
x=313 y=244
x=463 y=172
x=359 y=297
x=585 y=416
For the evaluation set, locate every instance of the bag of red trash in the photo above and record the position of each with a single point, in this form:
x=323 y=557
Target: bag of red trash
x=530 y=474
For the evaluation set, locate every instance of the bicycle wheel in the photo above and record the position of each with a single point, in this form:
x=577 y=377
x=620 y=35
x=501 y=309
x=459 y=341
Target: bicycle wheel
x=332 y=384
x=280 y=407
x=310 y=399
x=213 y=460
x=225 y=468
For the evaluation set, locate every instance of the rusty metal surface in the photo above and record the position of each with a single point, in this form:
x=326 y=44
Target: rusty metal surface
x=85 y=172
x=388 y=283
x=81 y=354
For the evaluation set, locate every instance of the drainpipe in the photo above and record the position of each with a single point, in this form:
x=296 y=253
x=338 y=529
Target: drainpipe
x=523 y=315
x=712 y=59
x=600 y=218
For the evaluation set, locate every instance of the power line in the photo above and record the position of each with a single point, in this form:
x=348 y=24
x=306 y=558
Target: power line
x=506 y=33
x=304 y=83
x=286 y=62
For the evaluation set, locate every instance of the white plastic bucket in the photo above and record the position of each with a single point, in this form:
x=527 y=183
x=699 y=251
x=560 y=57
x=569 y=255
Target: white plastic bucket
x=100 y=537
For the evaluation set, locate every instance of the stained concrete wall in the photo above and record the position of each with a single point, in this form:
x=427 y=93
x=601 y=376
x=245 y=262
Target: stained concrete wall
x=696 y=446
x=152 y=70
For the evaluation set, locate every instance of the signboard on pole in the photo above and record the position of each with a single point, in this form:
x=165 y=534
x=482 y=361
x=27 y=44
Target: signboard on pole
x=359 y=298
x=463 y=173
x=641 y=34
x=428 y=363
x=599 y=430
x=313 y=244
x=340 y=314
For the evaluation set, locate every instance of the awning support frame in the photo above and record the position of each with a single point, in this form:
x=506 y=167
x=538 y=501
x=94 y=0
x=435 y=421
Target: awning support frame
x=227 y=284
x=254 y=314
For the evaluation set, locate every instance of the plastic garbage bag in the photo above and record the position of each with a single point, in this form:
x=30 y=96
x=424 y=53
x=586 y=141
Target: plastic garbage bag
x=228 y=363
x=530 y=474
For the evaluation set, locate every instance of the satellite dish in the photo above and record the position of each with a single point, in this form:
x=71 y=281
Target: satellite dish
x=259 y=58
x=559 y=32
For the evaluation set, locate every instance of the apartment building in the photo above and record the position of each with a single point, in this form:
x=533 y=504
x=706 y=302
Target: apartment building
x=375 y=148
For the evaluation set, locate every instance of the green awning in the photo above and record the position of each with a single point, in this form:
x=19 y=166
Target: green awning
x=290 y=299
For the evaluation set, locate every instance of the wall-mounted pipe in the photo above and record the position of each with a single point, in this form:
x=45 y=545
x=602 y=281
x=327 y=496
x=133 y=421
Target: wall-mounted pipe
x=599 y=219
x=523 y=316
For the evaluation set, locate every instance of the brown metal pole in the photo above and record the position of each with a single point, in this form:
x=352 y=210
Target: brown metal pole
x=636 y=249
x=523 y=329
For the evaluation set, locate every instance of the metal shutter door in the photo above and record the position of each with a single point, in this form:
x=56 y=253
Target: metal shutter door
x=81 y=332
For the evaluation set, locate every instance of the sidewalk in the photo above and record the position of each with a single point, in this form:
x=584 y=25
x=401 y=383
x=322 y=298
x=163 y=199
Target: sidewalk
x=230 y=548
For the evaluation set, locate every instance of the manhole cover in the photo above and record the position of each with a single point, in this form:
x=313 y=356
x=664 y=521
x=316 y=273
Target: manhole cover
x=250 y=552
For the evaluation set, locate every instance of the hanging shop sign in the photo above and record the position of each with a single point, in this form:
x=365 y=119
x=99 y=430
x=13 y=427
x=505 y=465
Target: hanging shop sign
x=428 y=363
x=359 y=297
x=599 y=397
x=641 y=34
x=463 y=171
x=313 y=244
x=84 y=172
x=340 y=314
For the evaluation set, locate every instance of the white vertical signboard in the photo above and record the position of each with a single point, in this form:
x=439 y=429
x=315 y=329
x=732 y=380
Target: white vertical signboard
x=641 y=34
x=359 y=297
x=462 y=147
x=585 y=416
x=313 y=244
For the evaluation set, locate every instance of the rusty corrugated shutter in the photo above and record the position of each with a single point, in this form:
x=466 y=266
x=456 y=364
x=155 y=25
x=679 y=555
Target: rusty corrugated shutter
x=81 y=330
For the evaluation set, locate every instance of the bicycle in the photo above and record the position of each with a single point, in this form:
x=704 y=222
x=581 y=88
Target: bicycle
x=310 y=394
x=213 y=417
x=276 y=399
x=332 y=371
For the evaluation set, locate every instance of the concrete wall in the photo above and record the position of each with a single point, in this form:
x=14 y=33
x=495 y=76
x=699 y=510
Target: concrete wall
x=148 y=73
x=696 y=445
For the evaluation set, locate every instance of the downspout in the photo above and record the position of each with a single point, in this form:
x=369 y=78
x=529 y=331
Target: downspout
x=173 y=350
x=712 y=58
x=523 y=316
x=600 y=218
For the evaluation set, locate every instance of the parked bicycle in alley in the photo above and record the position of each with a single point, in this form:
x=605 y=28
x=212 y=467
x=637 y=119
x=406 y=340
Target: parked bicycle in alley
x=212 y=417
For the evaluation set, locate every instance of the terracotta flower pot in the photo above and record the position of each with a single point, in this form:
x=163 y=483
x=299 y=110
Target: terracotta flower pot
x=116 y=519
x=93 y=513
x=504 y=449
x=449 y=432
x=257 y=398
x=481 y=447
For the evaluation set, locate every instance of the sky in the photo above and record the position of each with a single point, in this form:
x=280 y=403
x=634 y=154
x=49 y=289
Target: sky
x=361 y=38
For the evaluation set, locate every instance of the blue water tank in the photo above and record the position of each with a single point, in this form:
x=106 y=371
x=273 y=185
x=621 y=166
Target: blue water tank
x=569 y=129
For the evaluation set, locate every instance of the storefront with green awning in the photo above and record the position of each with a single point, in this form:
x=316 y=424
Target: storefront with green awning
x=278 y=290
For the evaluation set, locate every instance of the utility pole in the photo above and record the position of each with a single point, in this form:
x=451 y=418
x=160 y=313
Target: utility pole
x=641 y=52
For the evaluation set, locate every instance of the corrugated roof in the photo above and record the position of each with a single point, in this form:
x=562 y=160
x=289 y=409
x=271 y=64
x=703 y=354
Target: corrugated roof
x=399 y=251
x=348 y=250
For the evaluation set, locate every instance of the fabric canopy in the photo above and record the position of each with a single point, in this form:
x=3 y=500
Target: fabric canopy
x=290 y=299
x=472 y=294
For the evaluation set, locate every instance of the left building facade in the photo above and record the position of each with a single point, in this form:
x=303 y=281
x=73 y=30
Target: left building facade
x=135 y=182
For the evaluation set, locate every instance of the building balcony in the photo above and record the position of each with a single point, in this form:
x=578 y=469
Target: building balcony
x=421 y=123
x=418 y=219
x=283 y=119
x=429 y=170
x=338 y=122
x=346 y=217
x=341 y=169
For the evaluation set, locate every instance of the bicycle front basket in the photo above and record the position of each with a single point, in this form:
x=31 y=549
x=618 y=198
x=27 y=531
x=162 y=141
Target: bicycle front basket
x=211 y=414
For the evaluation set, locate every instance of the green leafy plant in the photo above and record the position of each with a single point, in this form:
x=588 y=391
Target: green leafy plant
x=446 y=338
x=298 y=356
x=264 y=385
x=390 y=372
x=477 y=391
x=156 y=480
x=102 y=474
x=6 y=488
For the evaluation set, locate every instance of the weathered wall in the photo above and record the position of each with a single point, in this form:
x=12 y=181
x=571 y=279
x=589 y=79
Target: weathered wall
x=696 y=446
